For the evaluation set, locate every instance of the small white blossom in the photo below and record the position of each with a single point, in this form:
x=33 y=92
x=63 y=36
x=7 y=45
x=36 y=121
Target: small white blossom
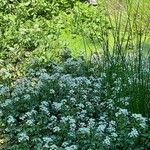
x=53 y=147
x=72 y=99
x=111 y=128
x=23 y=137
x=52 y=91
x=27 y=97
x=114 y=134
x=56 y=129
x=57 y=105
x=142 y=120
x=65 y=144
x=122 y=112
x=10 y=119
x=133 y=133
x=46 y=145
x=44 y=76
x=30 y=122
x=81 y=105
x=44 y=107
x=6 y=103
x=107 y=141
x=47 y=139
x=53 y=118
x=3 y=89
x=84 y=130
x=72 y=147
x=71 y=91
x=101 y=128
x=91 y=123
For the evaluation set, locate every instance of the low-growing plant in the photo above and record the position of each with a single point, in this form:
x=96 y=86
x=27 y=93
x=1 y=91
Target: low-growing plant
x=73 y=105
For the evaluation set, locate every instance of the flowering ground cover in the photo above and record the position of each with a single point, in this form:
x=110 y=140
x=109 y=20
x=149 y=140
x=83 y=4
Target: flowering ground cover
x=72 y=105
x=74 y=76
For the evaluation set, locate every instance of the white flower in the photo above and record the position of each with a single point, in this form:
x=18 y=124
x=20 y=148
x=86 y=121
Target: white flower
x=44 y=76
x=133 y=133
x=142 y=120
x=91 y=123
x=72 y=99
x=84 y=130
x=111 y=128
x=52 y=91
x=82 y=124
x=65 y=144
x=106 y=141
x=46 y=145
x=84 y=96
x=101 y=128
x=72 y=147
x=44 y=107
x=23 y=137
x=53 y=118
x=27 y=97
x=113 y=122
x=72 y=127
x=114 y=134
x=53 y=147
x=56 y=129
x=45 y=103
x=30 y=122
x=63 y=101
x=81 y=105
x=10 y=119
x=88 y=104
x=122 y=112
x=47 y=139
x=82 y=114
x=71 y=120
x=125 y=100
x=6 y=103
x=110 y=104
x=28 y=114
x=71 y=91
x=57 y=105
x=64 y=119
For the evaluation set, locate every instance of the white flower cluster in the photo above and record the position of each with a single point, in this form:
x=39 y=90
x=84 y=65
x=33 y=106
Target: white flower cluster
x=107 y=141
x=23 y=137
x=57 y=105
x=84 y=130
x=72 y=147
x=133 y=133
x=6 y=103
x=47 y=141
x=122 y=112
x=29 y=115
x=140 y=119
x=44 y=107
x=10 y=119
x=3 y=89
